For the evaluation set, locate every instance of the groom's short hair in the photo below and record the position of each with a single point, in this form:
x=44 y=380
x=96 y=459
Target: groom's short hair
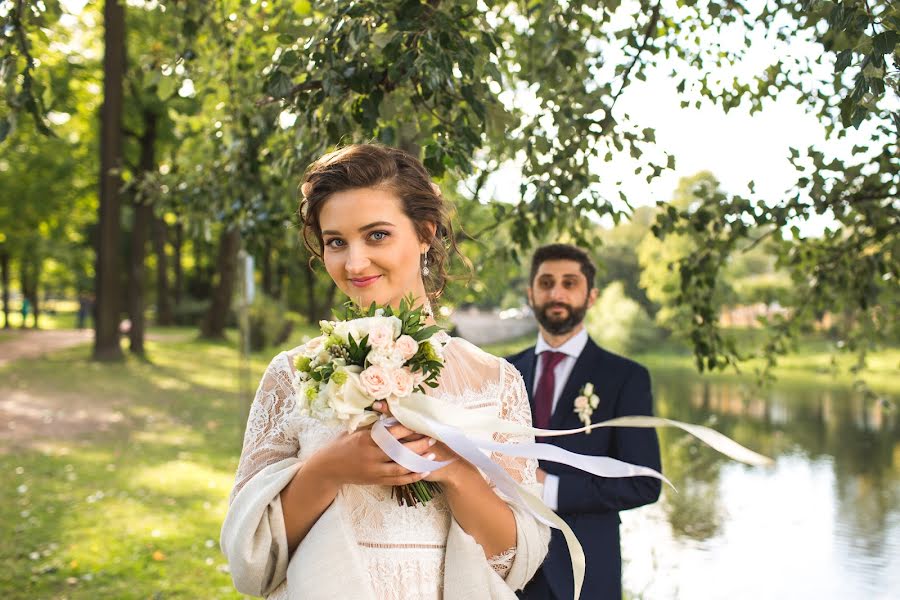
x=563 y=252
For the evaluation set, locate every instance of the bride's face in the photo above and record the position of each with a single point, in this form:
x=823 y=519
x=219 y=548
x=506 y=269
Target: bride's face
x=371 y=248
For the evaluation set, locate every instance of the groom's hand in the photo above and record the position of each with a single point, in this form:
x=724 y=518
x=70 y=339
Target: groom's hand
x=541 y=475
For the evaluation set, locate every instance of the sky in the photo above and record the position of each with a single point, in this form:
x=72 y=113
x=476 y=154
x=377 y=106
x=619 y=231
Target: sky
x=736 y=147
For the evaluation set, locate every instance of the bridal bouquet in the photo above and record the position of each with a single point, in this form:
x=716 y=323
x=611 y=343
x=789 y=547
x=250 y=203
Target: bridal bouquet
x=369 y=355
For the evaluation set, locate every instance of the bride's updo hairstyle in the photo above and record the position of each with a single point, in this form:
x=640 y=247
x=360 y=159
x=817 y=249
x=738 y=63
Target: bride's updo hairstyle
x=385 y=168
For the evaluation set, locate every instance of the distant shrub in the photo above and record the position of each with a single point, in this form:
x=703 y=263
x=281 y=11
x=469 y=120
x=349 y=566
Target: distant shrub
x=270 y=324
x=620 y=324
x=190 y=312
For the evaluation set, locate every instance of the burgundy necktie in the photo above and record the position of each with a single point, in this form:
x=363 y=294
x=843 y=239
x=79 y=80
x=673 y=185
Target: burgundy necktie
x=543 y=395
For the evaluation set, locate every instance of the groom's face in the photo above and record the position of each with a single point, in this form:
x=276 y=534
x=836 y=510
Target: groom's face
x=559 y=296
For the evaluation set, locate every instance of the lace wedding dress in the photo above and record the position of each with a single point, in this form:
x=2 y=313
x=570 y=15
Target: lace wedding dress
x=402 y=549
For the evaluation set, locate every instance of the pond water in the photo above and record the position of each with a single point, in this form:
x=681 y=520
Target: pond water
x=822 y=523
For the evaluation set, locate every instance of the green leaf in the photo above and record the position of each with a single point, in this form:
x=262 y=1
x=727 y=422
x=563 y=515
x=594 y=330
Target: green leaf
x=843 y=60
x=279 y=85
x=166 y=88
x=886 y=41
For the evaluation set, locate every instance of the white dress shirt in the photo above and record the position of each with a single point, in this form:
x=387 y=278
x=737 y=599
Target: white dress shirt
x=572 y=349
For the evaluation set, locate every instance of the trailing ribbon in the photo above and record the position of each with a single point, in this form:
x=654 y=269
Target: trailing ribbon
x=469 y=433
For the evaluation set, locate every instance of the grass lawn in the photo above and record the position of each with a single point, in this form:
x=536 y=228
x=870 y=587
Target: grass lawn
x=133 y=511
x=55 y=314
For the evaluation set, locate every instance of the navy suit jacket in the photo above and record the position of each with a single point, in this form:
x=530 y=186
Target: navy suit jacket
x=591 y=504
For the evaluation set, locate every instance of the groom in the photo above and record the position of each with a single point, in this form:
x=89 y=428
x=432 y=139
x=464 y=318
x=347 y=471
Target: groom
x=556 y=370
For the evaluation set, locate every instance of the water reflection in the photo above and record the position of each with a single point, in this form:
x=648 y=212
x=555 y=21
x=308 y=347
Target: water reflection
x=823 y=523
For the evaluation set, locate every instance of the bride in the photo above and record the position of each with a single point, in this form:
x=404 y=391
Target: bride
x=311 y=514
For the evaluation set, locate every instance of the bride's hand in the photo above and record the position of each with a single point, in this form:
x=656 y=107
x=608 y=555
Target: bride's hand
x=453 y=473
x=383 y=408
x=356 y=459
x=437 y=451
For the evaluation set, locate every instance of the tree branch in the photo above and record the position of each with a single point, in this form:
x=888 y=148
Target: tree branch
x=648 y=33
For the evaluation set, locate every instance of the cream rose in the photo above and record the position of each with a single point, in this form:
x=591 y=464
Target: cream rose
x=581 y=402
x=406 y=346
x=376 y=382
x=402 y=382
x=346 y=393
x=381 y=337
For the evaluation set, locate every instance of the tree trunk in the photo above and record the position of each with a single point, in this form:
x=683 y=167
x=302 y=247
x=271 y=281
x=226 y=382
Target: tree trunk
x=176 y=259
x=4 y=278
x=142 y=214
x=143 y=219
x=226 y=265
x=25 y=286
x=106 y=324
x=29 y=273
x=33 y=292
x=267 y=269
x=163 y=294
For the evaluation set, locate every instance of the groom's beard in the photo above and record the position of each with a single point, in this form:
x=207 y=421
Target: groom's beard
x=560 y=325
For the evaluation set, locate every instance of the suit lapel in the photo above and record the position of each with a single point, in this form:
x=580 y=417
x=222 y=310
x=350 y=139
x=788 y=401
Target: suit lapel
x=585 y=369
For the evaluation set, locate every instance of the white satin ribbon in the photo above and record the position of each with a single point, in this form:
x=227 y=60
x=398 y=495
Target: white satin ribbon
x=456 y=427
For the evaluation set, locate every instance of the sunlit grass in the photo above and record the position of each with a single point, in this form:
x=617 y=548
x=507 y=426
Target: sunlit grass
x=54 y=315
x=134 y=512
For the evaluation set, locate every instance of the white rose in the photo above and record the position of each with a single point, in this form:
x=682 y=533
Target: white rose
x=406 y=346
x=381 y=337
x=588 y=389
x=365 y=325
x=313 y=347
x=387 y=360
x=376 y=382
x=595 y=401
x=402 y=382
x=342 y=330
x=346 y=394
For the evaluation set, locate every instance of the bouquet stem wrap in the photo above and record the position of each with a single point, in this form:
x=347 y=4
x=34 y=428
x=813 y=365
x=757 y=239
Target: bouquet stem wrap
x=469 y=433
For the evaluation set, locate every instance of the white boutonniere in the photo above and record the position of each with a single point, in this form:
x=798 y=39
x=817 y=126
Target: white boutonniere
x=585 y=403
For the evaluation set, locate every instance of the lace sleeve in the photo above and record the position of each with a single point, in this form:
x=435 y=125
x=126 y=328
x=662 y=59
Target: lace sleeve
x=514 y=407
x=267 y=438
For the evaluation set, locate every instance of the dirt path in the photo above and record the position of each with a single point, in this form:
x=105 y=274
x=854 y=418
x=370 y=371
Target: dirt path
x=31 y=343
x=29 y=419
